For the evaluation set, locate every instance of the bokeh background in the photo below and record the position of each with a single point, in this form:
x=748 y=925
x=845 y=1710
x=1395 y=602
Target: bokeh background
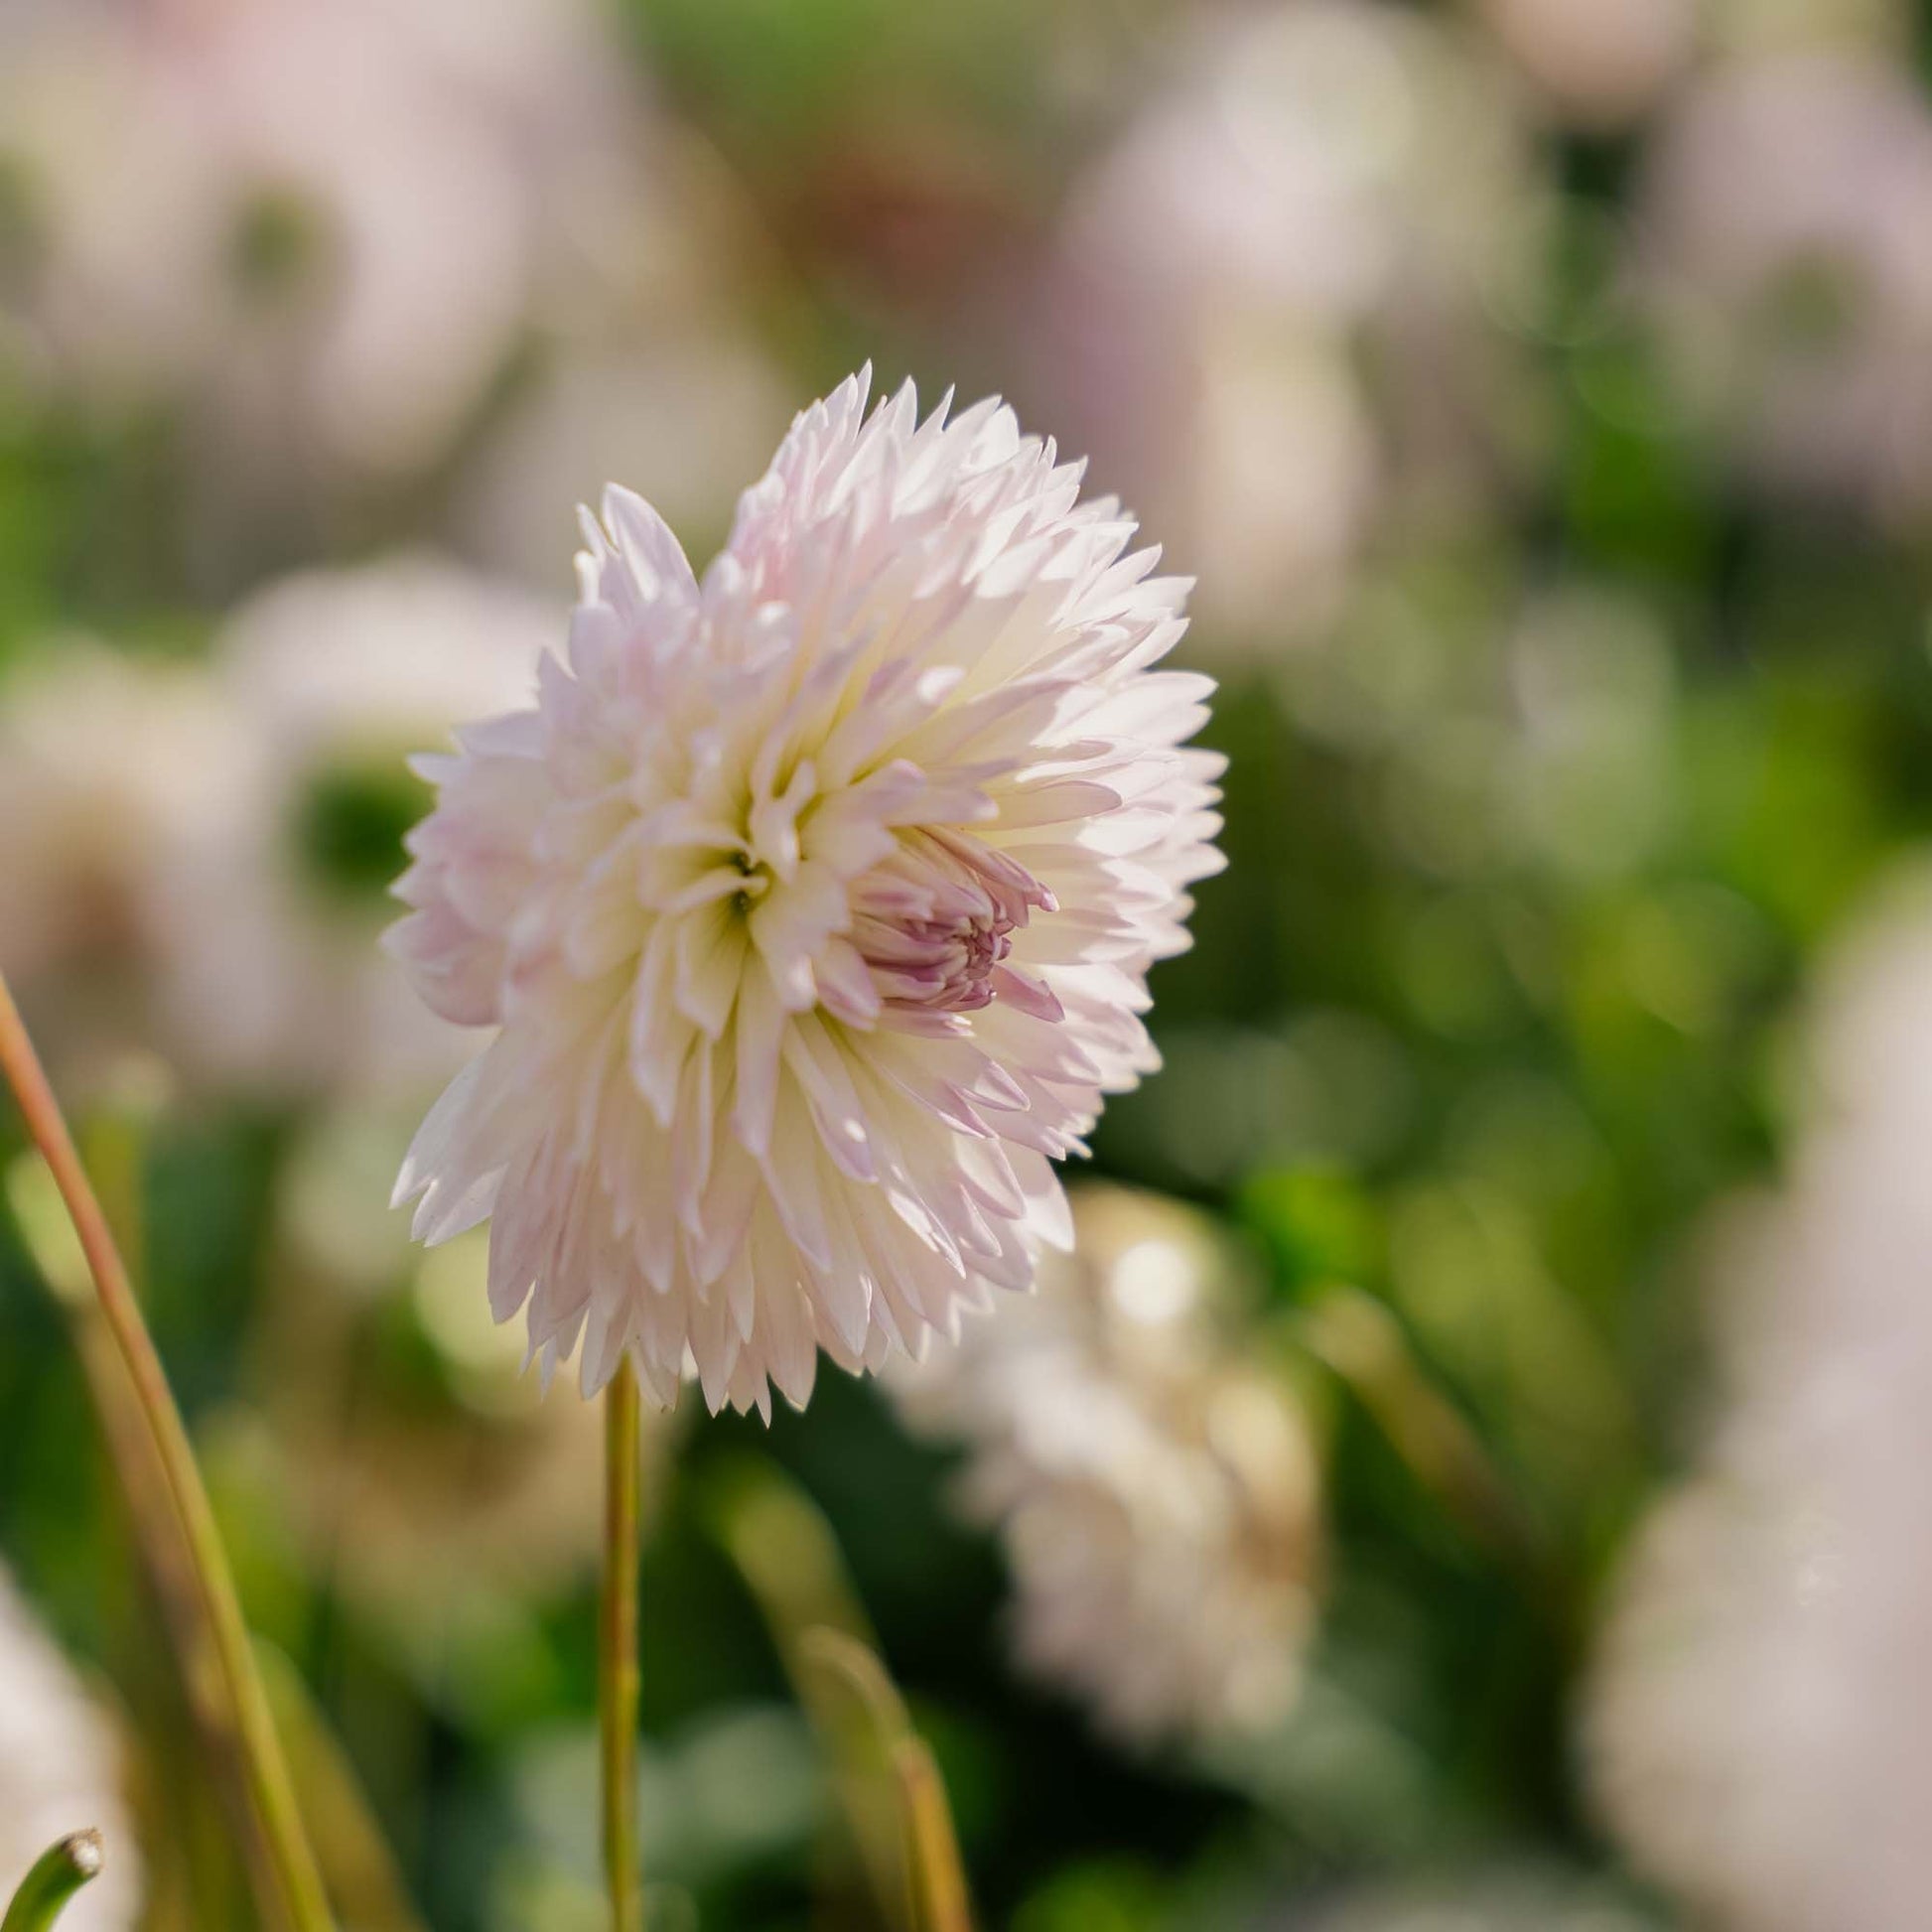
x=1474 y=1476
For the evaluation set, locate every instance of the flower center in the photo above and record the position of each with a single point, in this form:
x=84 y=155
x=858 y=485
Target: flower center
x=935 y=922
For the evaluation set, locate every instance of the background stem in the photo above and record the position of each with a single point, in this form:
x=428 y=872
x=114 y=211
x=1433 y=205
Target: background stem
x=298 y=1879
x=619 y=1675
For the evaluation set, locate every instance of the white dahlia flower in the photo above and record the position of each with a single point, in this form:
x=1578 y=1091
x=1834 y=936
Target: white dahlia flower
x=1761 y=1727
x=814 y=903
x=60 y=1773
x=1156 y=1496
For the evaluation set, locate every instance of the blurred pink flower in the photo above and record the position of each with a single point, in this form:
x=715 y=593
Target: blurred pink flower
x=814 y=905
x=1789 y=253
x=1332 y=187
x=324 y=221
x=1761 y=1732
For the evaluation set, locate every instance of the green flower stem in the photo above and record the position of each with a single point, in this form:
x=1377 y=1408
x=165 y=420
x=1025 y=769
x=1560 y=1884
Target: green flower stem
x=619 y=1675
x=58 y=1874
x=303 y=1901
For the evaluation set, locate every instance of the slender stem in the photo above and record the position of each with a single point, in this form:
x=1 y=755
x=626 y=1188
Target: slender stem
x=59 y=1872
x=304 y=1902
x=619 y=1678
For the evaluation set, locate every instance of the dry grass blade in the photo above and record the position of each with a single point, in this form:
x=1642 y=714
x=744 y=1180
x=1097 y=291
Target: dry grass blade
x=936 y=1872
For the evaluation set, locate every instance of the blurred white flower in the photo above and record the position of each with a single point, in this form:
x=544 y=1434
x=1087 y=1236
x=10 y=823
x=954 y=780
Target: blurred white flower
x=1155 y=1493
x=1761 y=1732
x=108 y=765
x=326 y=221
x=272 y=911
x=815 y=905
x=1600 y=63
x=1787 y=248
x=60 y=1773
x=1270 y=308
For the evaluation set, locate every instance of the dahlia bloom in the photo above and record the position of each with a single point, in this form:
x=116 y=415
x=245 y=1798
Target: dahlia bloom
x=60 y=1773
x=1156 y=1496
x=814 y=905
x=1761 y=1727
